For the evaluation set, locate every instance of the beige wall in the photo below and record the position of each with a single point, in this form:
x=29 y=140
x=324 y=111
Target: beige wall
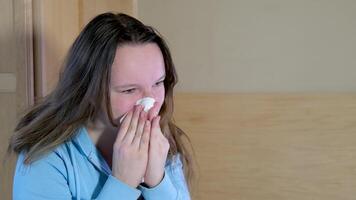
x=258 y=45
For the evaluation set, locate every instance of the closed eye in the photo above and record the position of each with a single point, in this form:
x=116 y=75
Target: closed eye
x=159 y=83
x=129 y=91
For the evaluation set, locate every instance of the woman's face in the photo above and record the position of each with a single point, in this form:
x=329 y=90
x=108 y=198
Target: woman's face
x=138 y=71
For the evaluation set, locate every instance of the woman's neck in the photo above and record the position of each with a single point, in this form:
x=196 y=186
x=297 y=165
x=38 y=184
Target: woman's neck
x=103 y=137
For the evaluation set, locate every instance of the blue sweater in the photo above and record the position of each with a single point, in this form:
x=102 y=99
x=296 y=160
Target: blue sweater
x=76 y=170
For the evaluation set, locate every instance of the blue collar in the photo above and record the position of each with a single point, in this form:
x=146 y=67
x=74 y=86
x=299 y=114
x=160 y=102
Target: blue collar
x=84 y=143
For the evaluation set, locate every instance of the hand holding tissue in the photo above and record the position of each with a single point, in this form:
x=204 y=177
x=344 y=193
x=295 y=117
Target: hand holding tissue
x=146 y=102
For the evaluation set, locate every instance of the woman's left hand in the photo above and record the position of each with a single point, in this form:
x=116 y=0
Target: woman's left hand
x=157 y=153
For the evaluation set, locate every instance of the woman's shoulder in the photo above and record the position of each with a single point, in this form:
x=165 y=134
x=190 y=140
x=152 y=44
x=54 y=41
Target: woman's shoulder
x=51 y=159
x=57 y=158
x=48 y=171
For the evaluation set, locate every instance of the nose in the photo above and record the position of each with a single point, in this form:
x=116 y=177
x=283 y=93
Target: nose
x=148 y=93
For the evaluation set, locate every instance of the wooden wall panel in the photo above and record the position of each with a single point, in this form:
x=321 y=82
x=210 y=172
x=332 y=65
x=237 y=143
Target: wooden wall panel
x=272 y=146
x=55 y=27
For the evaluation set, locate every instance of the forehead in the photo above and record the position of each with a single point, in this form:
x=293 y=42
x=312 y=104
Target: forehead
x=137 y=62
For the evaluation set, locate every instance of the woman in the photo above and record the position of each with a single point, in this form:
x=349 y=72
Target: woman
x=88 y=139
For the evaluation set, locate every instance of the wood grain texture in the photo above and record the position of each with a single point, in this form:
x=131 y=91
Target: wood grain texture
x=272 y=146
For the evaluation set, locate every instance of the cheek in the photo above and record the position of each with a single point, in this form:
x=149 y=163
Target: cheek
x=159 y=96
x=121 y=105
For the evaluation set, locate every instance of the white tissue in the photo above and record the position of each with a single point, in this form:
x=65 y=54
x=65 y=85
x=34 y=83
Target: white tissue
x=147 y=103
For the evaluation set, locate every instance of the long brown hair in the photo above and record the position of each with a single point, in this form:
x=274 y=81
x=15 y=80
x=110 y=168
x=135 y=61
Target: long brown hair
x=84 y=85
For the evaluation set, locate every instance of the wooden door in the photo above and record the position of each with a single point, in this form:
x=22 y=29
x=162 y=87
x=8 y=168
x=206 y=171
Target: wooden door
x=16 y=77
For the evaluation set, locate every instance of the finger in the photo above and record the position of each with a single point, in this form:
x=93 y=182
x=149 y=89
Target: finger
x=153 y=112
x=155 y=128
x=124 y=126
x=133 y=125
x=139 y=130
x=145 y=139
x=122 y=118
x=155 y=123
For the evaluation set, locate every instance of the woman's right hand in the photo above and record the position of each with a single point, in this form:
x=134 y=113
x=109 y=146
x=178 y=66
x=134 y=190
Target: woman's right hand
x=130 y=151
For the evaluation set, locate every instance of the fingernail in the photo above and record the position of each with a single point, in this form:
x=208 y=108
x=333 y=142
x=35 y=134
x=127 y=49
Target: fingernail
x=123 y=117
x=138 y=108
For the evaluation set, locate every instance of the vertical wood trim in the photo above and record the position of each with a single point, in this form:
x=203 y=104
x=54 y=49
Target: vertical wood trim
x=29 y=52
x=39 y=78
x=23 y=31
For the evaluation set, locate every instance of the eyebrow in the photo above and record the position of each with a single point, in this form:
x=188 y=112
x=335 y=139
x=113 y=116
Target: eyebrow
x=133 y=85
